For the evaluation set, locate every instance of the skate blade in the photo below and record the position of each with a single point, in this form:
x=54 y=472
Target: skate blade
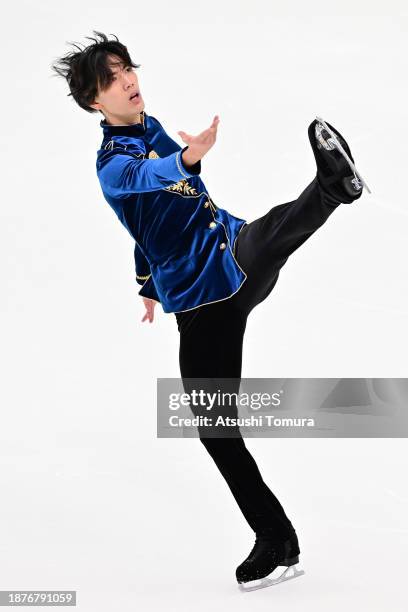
x=343 y=152
x=289 y=573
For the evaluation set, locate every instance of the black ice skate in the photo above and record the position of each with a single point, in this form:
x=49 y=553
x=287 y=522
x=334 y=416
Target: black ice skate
x=265 y=557
x=336 y=171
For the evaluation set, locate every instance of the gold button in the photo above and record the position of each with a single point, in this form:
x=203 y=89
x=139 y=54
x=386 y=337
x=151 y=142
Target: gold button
x=223 y=245
x=206 y=205
x=212 y=224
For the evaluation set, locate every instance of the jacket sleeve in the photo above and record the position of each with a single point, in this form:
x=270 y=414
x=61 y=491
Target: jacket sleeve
x=141 y=266
x=121 y=174
x=144 y=276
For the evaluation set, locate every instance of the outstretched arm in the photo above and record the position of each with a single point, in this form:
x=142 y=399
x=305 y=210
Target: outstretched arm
x=121 y=173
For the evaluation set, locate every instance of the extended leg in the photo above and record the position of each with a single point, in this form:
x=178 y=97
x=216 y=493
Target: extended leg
x=264 y=245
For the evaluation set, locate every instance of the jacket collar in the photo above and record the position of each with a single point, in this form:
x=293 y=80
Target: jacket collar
x=134 y=129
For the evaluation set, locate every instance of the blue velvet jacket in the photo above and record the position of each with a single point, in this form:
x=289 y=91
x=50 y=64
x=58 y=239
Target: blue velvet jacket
x=184 y=243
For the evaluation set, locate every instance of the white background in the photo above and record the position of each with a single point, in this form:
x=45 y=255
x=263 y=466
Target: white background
x=91 y=500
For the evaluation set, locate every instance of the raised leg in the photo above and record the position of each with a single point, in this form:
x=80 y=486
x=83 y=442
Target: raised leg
x=264 y=245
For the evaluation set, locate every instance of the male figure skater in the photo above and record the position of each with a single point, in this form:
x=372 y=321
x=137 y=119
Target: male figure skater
x=205 y=265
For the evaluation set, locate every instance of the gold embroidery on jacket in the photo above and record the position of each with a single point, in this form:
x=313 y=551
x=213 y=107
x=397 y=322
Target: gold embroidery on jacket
x=181 y=187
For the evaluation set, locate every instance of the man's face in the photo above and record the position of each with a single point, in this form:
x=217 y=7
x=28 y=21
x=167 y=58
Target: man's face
x=116 y=102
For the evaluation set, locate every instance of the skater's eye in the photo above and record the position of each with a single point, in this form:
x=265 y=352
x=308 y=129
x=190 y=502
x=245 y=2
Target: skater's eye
x=128 y=68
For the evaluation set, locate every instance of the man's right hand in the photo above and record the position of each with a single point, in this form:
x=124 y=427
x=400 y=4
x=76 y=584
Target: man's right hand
x=199 y=145
x=149 y=305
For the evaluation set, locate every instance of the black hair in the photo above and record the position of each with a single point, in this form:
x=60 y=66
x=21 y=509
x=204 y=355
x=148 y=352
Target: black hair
x=86 y=71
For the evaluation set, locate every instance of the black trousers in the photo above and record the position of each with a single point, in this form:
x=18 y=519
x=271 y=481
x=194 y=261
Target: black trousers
x=211 y=342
